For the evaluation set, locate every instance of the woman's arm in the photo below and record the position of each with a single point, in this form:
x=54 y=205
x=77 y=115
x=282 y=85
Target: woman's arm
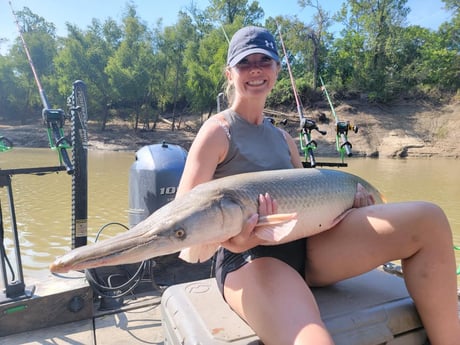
x=295 y=156
x=208 y=149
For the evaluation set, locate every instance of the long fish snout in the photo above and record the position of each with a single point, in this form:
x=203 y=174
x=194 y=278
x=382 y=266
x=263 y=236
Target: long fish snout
x=58 y=267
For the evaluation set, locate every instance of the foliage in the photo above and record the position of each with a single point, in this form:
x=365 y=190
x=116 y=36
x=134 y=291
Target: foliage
x=135 y=71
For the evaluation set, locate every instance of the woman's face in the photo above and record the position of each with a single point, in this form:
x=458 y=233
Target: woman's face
x=253 y=76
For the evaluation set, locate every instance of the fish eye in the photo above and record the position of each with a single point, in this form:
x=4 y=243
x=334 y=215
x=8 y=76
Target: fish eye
x=179 y=233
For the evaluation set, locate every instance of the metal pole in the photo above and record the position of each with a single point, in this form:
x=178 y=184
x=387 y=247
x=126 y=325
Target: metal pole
x=78 y=110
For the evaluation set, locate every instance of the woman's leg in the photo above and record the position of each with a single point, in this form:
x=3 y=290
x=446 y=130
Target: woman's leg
x=416 y=232
x=276 y=302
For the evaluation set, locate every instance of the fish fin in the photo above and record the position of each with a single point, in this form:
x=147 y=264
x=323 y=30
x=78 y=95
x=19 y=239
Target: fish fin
x=199 y=253
x=340 y=217
x=275 y=227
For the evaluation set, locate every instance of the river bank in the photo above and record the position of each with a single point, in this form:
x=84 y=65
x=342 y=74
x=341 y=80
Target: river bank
x=399 y=130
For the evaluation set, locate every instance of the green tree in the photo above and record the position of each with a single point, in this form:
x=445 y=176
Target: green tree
x=228 y=11
x=84 y=56
x=129 y=68
x=450 y=34
x=372 y=26
x=11 y=94
x=317 y=34
x=175 y=41
x=205 y=61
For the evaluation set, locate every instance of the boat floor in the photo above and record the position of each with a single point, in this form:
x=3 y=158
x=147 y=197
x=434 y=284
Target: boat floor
x=135 y=321
x=138 y=321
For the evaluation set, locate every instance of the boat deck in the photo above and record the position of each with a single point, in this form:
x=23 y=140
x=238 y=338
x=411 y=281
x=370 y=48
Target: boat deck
x=63 y=309
x=137 y=322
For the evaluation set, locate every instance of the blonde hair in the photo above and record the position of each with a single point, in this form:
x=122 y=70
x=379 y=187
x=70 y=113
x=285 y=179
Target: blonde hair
x=229 y=92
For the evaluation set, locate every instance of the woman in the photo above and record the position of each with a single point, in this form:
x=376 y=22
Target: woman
x=269 y=286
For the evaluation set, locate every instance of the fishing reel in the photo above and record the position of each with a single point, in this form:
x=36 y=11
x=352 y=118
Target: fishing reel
x=53 y=116
x=310 y=125
x=344 y=126
x=275 y=123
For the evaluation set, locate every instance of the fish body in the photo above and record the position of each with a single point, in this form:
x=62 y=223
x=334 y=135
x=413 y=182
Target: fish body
x=309 y=201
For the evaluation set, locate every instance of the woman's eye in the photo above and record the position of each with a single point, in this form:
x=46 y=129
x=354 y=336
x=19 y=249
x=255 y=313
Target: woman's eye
x=243 y=63
x=262 y=63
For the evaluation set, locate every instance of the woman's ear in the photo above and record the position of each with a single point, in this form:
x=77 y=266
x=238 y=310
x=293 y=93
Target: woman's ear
x=228 y=73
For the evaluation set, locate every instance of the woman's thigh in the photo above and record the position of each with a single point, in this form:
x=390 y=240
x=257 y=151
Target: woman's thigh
x=370 y=236
x=276 y=302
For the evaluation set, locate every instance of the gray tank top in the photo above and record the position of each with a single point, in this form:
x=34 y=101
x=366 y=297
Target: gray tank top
x=252 y=147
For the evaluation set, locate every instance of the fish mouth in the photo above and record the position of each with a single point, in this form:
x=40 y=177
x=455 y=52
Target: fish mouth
x=61 y=267
x=95 y=255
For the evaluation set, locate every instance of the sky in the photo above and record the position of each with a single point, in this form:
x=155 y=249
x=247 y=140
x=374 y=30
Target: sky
x=426 y=13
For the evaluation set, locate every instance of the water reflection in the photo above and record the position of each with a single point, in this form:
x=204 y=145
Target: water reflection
x=43 y=205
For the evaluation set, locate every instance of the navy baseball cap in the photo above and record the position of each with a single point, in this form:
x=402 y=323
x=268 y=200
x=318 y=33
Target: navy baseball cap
x=251 y=40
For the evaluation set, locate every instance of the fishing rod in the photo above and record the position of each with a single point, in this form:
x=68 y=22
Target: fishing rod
x=52 y=118
x=307 y=145
x=343 y=146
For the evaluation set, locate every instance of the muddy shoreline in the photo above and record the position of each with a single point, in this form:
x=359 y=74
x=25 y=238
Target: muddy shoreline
x=400 y=131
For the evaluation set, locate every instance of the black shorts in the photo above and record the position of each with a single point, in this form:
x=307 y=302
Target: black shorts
x=292 y=253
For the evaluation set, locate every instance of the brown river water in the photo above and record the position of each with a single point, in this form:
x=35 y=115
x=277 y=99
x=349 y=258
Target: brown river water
x=43 y=203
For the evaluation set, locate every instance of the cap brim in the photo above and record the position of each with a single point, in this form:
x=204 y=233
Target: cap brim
x=248 y=52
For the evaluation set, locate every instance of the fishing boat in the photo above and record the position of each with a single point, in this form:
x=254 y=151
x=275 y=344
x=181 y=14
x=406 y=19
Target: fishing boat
x=168 y=301
x=165 y=300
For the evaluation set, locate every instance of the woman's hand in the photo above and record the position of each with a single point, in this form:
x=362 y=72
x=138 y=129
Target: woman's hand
x=362 y=197
x=246 y=239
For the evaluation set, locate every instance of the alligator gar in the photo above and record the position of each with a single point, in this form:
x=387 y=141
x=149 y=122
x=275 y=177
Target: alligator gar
x=309 y=201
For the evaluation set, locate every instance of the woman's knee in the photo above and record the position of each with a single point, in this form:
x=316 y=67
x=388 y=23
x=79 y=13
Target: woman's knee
x=432 y=219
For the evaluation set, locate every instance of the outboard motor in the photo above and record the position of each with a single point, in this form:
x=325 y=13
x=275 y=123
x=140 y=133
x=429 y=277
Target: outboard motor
x=153 y=181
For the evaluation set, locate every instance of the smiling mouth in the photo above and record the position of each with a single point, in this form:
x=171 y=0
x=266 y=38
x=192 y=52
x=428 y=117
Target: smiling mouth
x=256 y=82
